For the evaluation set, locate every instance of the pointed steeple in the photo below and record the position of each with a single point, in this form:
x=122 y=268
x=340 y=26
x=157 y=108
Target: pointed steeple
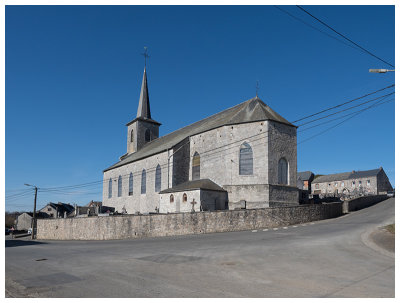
x=144 y=103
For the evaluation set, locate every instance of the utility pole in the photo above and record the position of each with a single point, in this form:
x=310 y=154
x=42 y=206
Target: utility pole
x=34 y=213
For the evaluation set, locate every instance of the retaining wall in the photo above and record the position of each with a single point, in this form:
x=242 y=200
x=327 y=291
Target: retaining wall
x=362 y=202
x=158 y=225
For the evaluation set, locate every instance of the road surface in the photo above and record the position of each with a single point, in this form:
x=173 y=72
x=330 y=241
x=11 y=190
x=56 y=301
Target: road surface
x=330 y=258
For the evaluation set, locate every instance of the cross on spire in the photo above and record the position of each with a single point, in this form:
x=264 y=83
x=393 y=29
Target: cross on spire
x=145 y=55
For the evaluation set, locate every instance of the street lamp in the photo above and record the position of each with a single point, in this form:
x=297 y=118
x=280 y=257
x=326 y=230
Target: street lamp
x=381 y=71
x=34 y=212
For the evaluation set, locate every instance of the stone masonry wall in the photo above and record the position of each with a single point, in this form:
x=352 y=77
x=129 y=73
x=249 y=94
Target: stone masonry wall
x=362 y=202
x=130 y=226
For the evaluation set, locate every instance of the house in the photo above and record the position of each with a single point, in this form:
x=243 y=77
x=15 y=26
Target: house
x=351 y=184
x=57 y=210
x=246 y=154
x=24 y=220
x=304 y=180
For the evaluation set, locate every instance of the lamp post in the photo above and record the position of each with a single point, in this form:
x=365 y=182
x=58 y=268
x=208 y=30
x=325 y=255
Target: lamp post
x=380 y=71
x=34 y=212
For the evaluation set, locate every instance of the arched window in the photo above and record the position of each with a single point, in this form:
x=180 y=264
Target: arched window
x=132 y=134
x=171 y=198
x=184 y=197
x=119 y=186
x=196 y=166
x=143 y=185
x=158 y=178
x=282 y=171
x=130 y=184
x=147 y=136
x=245 y=159
x=110 y=188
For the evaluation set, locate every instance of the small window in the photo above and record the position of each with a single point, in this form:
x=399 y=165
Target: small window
x=171 y=198
x=316 y=186
x=353 y=184
x=359 y=183
x=132 y=134
x=147 y=135
x=335 y=184
x=130 y=184
x=329 y=185
x=143 y=185
x=184 y=198
x=119 y=186
x=110 y=188
x=49 y=209
x=368 y=183
x=342 y=184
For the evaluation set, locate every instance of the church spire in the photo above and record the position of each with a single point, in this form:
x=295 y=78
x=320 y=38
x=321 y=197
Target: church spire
x=144 y=103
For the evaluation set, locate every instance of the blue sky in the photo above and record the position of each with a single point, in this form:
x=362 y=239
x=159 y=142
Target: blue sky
x=73 y=75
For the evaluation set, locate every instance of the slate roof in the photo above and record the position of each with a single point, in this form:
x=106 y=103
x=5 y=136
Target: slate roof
x=192 y=185
x=61 y=207
x=304 y=175
x=347 y=176
x=249 y=111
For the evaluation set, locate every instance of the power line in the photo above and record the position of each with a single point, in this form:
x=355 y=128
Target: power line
x=316 y=28
x=339 y=105
x=324 y=131
x=344 y=36
x=346 y=109
x=341 y=117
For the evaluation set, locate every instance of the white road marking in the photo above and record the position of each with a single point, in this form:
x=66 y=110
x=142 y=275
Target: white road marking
x=276 y=228
x=312 y=223
x=285 y=227
x=265 y=229
x=294 y=226
x=254 y=231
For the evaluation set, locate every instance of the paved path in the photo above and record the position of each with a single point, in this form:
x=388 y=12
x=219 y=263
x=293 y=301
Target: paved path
x=330 y=258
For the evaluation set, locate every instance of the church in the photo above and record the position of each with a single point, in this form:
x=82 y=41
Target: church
x=242 y=157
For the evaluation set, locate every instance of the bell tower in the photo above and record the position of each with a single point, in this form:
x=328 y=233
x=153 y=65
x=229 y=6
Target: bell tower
x=142 y=129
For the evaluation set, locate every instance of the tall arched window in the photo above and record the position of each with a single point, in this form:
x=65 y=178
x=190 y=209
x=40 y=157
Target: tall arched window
x=245 y=159
x=147 y=136
x=130 y=184
x=282 y=171
x=158 y=178
x=143 y=185
x=171 y=198
x=110 y=188
x=184 y=197
x=196 y=166
x=132 y=134
x=119 y=186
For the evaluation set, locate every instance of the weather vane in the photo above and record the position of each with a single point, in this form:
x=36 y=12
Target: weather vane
x=145 y=55
x=257 y=88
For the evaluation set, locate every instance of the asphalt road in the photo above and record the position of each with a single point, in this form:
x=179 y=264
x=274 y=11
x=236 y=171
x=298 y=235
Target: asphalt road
x=330 y=258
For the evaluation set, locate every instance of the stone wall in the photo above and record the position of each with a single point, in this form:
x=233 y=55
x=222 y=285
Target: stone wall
x=131 y=226
x=362 y=202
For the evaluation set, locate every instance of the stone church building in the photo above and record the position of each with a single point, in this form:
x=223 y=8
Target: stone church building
x=242 y=157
